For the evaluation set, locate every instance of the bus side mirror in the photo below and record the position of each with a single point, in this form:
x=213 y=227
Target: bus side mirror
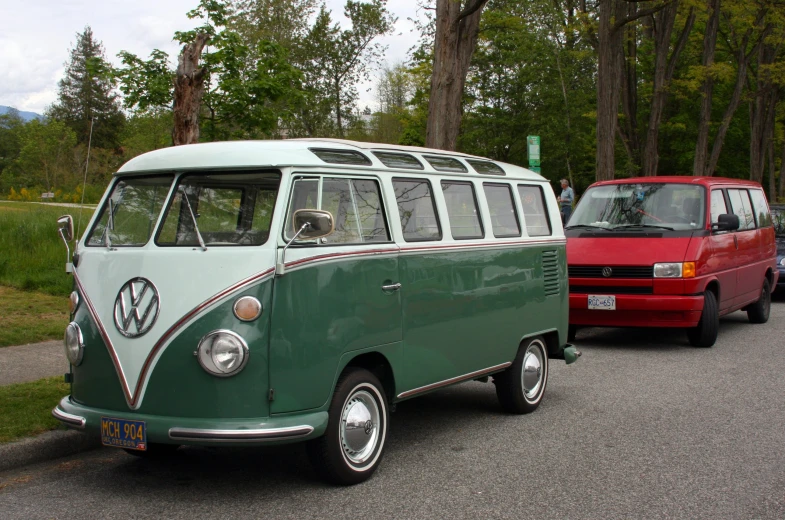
x=308 y=224
x=65 y=227
x=320 y=223
x=726 y=222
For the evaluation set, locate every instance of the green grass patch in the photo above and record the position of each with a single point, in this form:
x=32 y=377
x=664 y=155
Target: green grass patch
x=32 y=255
x=30 y=317
x=26 y=408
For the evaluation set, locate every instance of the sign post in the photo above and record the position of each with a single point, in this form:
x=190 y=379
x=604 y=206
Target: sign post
x=533 y=151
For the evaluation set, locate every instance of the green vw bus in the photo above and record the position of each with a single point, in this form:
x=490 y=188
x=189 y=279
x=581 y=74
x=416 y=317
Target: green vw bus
x=248 y=293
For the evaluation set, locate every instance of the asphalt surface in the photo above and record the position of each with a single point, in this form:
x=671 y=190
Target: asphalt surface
x=32 y=362
x=643 y=426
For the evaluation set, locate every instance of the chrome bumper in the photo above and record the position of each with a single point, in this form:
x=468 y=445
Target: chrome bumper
x=261 y=435
x=74 y=421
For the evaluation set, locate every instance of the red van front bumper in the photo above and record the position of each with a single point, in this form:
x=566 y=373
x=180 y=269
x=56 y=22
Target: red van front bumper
x=639 y=310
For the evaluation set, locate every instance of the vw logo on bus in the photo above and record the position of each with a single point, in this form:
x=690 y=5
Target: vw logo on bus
x=136 y=307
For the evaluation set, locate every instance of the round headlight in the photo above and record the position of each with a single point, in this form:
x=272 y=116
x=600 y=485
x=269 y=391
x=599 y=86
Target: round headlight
x=73 y=301
x=222 y=353
x=782 y=262
x=74 y=344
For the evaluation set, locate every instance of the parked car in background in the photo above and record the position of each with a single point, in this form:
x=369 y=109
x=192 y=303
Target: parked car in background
x=778 y=217
x=671 y=252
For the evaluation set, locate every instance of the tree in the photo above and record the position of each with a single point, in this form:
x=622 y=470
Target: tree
x=45 y=148
x=457 y=27
x=86 y=95
x=333 y=61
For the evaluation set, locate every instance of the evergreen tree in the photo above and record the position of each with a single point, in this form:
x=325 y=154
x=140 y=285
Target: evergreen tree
x=87 y=93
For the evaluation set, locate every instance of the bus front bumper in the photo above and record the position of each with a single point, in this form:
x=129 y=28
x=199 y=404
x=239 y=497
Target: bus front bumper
x=197 y=431
x=634 y=310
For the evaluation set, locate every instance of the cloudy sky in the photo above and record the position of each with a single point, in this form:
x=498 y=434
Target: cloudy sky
x=36 y=37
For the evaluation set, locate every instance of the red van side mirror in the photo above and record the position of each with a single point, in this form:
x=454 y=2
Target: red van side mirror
x=726 y=222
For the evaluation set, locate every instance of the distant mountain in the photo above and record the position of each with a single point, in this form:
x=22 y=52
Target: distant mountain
x=26 y=116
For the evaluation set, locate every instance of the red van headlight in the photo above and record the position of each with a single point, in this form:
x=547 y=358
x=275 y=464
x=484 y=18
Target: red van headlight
x=674 y=270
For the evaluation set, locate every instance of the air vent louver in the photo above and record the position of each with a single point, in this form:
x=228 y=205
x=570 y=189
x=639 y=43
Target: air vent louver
x=550 y=272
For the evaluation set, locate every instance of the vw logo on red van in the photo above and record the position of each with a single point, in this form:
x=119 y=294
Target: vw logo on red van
x=136 y=307
x=607 y=272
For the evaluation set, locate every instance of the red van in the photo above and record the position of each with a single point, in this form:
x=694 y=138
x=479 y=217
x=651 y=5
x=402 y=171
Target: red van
x=670 y=252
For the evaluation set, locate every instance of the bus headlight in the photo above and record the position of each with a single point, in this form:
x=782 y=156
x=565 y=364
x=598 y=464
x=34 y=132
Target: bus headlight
x=222 y=353
x=74 y=344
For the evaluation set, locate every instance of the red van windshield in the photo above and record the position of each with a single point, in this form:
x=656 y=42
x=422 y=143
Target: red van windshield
x=671 y=206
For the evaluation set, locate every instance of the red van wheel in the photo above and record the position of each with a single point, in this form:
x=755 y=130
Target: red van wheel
x=705 y=334
x=758 y=312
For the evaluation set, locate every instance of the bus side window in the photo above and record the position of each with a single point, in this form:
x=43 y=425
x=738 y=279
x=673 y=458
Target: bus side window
x=533 y=202
x=417 y=210
x=462 y=210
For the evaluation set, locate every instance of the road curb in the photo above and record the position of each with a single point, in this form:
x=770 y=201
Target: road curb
x=47 y=446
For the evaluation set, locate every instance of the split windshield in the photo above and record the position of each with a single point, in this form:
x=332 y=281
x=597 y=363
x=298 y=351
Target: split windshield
x=630 y=206
x=129 y=214
x=220 y=209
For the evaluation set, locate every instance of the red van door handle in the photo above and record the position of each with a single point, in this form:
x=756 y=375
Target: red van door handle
x=736 y=241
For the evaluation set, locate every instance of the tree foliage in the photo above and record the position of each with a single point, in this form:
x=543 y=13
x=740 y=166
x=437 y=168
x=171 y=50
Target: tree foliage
x=86 y=98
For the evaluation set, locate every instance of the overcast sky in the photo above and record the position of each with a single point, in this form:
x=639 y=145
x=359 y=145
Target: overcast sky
x=36 y=36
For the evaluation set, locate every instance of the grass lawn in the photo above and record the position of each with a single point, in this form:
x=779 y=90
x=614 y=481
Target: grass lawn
x=26 y=408
x=32 y=255
x=29 y=316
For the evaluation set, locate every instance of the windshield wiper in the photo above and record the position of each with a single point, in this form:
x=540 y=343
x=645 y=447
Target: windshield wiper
x=193 y=219
x=576 y=226
x=627 y=226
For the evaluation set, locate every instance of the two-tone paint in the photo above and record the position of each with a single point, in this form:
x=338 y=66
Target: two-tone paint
x=461 y=310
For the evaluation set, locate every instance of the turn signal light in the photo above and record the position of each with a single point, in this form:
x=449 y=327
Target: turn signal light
x=688 y=270
x=247 y=308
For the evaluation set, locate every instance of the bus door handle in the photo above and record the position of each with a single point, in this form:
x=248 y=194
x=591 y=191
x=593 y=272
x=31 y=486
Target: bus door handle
x=391 y=287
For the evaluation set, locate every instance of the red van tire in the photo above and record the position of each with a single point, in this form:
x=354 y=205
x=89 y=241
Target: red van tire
x=705 y=334
x=758 y=312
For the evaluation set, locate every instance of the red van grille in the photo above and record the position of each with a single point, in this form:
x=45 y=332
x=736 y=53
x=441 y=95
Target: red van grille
x=610 y=289
x=617 y=271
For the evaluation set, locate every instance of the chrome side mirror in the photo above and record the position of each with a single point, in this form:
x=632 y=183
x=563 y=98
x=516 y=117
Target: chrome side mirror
x=308 y=224
x=65 y=227
x=726 y=222
x=320 y=223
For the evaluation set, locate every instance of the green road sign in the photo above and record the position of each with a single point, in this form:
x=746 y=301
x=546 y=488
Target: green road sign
x=533 y=149
x=535 y=169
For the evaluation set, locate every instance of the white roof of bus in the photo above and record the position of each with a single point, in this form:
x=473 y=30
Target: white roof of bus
x=291 y=152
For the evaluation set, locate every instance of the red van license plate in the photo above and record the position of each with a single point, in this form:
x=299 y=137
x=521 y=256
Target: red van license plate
x=122 y=433
x=603 y=303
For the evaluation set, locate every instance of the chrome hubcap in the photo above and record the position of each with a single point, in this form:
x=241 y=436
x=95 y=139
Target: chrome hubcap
x=532 y=374
x=360 y=427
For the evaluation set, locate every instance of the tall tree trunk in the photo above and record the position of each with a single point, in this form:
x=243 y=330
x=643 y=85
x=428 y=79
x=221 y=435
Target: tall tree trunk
x=781 y=190
x=629 y=92
x=664 y=68
x=608 y=50
x=772 y=173
x=338 y=119
x=188 y=92
x=762 y=109
x=707 y=61
x=456 y=37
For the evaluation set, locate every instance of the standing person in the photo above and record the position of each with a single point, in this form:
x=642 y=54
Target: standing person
x=565 y=200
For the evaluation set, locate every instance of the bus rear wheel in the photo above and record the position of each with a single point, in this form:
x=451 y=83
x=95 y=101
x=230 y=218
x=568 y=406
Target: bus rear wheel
x=520 y=388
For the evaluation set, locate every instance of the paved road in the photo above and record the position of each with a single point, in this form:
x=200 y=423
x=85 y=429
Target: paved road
x=644 y=426
x=31 y=362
